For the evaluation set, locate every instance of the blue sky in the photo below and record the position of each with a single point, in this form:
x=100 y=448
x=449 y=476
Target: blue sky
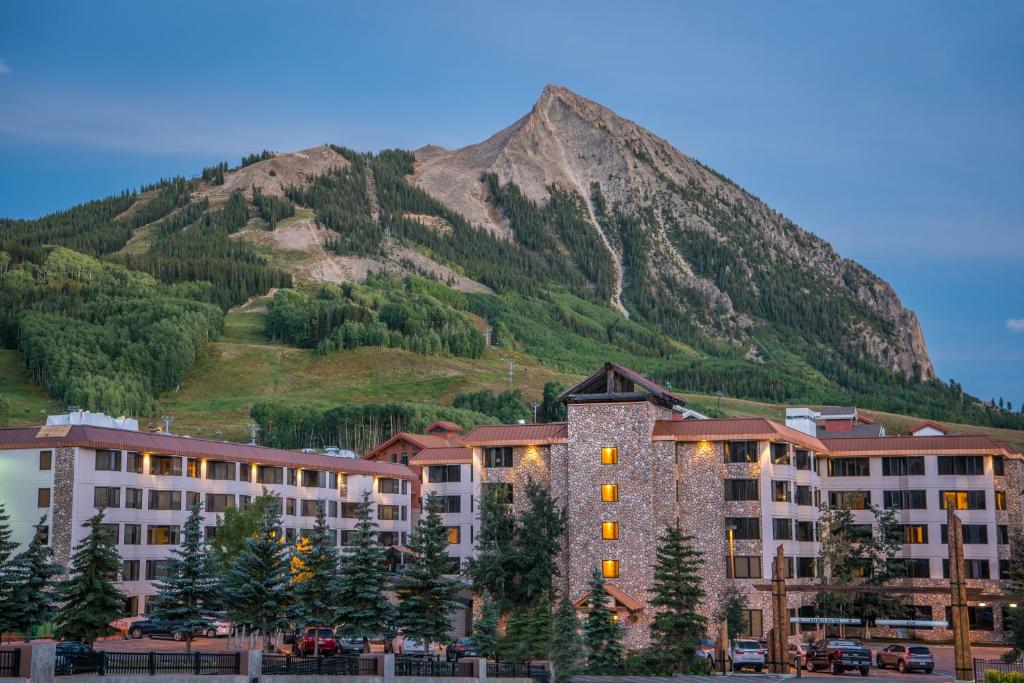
x=894 y=130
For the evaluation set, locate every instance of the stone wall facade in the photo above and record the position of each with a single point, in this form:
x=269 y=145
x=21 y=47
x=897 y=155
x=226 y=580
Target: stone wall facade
x=62 y=504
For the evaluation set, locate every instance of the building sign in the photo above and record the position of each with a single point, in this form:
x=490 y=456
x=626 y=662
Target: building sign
x=911 y=623
x=824 y=620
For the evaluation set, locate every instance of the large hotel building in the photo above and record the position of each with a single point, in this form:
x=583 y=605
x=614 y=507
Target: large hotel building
x=629 y=461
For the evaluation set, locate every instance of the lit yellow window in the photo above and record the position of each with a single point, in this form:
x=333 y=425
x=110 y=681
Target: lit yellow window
x=1000 y=500
x=609 y=531
x=609 y=455
x=610 y=569
x=609 y=492
x=454 y=536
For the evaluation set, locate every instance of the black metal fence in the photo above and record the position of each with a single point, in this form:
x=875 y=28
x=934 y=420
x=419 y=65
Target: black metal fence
x=338 y=666
x=428 y=666
x=147 y=663
x=982 y=665
x=10 y=661
x=504 y=670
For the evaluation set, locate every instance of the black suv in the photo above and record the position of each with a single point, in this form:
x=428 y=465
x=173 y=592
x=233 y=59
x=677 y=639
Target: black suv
x=837 y=655
x=147 y=627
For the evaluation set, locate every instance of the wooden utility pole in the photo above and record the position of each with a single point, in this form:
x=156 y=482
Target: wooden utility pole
x=780 y=622
x=958 y=597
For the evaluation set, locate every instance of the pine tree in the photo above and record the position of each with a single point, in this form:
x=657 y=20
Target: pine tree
x=189 y=590
x=8 y=571
x=677 y=626
x=539 y=531
x=315 y=577
x=485 y=629
x=494 y=567
x=565 y=642
x=426 y=589
x=89 y=600
x=33 y=601
x=602 y=635
x=1015 y=623
x=527 y=632
x=363 y=608
x=256 y=586
x=731 y=611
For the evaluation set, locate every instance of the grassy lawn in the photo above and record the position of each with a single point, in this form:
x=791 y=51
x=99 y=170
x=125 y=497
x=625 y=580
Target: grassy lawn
x=29 y=404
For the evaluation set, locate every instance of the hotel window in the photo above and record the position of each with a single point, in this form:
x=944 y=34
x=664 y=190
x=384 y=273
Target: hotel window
x=218 y=469
x=289 y=536
x=978 y=618
x=499 y=491
x=332 y=480
x=915 y=534
x=902 y=466
x=753 y=620
x=346 y=536
x=343 y=485
x=917 y=568
x=747 y=567
x=165 y=500
x=113 y=531
x=904 y=500
x=348 y=510
x=43 y=498
x=974 y=534
x=387 y=538
x=782 y=529
x=266 y=474
x=609 y=455
x=191 y=499
x=740 y=451
x=155 y=570
x=219 y=502
x=133 y=463
x=132 y=534
x=309 y=508
x=803 y=495
x=962 y=500
x=803 y=459
x=746 y=528
x=209 y=533
x=130 y=570
x=108 y=461
x=454 y=535
x=848 y=467
x=106 y=497
x=1002 y=534
x=389 y=513
x=291 y=476
x=782 y=492
x=162 y=534
x=610 y=569
x=998 y=466
x=244 y=472
x=289 y=508
x=961 y=464
x=500 y=456
x=609 y=531
x=313 y=479
x=805 y=531
x=849 y=500
x=1000 y=500
x=858 y=532
x=806 y=567
x=165 y=465
x=387 y=485
x=610 y=493
x=243 y=502
x=441 y=474
x=449 y=503
x=45 y=460
x=741 y=489
x=192 y=467
x=332 y=508
x=780 y=453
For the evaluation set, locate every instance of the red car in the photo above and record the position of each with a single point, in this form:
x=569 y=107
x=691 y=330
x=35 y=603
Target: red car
x=306 y=642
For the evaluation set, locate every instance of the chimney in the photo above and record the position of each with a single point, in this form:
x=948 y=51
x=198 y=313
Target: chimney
x=802 y=419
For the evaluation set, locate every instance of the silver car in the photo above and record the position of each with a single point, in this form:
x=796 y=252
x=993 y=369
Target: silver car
x=906 y=658
x=747 y=654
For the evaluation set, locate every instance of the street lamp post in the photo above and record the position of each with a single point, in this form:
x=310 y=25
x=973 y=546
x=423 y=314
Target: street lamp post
x=732 y=550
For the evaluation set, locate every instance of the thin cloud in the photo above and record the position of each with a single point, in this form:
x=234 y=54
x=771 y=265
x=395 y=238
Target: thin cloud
x=1015 y=324
x=4 y=69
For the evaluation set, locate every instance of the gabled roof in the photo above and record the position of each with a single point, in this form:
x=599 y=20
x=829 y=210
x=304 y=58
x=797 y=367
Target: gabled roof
x=733 y=429
x=443 y=426
x=421 y=441
x=624 y=600
x=958 y=444
x=517 y=435
x=88 y=436
x=447 y=455
x=926 y=424
x=615 y=382
x=838 y=411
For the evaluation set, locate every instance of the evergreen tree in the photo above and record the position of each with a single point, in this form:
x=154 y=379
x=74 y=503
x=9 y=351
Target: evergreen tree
x=731 y=611
x=552 y=409
x=528 y=632
x=89 y=600
x=539 y=530
x=234 y=526
x=1015 y=617
x=565 y=642
x=8 y=571
x=256 y=586
x=363 y=608
x=678 y=625
x=602 y=634
x=485 y=629
x=189 y=589
x=315 y=577
x=426 y=588
x=33 y=602
x=494 y=567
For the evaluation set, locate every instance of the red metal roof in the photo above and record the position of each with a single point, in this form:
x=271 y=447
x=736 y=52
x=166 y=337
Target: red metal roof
x=421 y=441
x=517 y=435
x=104 y=437
x=958 y=444
x=446 y=425
x=753 y=428
x=449 y=455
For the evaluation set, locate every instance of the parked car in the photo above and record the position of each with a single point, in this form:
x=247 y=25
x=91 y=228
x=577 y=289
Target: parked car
x=306 y=642
x=218 y=626
x=706 y=649
x=463 y=647
x=837 y=655
x=906 y=658
x=349 y=645
x=747 y=654
x=795 y=650
x=152 y=627
x=412 y=647
x=77 y=658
